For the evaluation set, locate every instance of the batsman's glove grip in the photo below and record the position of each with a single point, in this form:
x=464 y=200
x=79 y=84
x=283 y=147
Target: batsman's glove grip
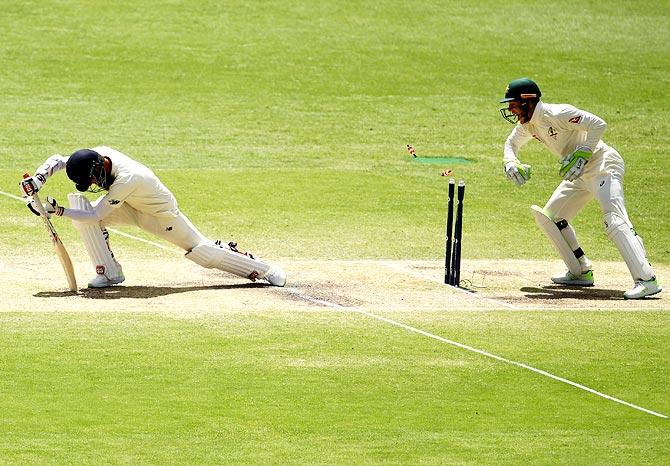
x=31 y=184
x=51 y=207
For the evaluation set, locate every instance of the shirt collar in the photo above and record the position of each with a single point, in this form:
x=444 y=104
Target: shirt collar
x=536 y=113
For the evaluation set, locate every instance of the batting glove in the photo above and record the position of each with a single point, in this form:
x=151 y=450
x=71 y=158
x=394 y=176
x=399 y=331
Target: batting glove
x=32 y=184
x=517 y=172
x=51 y=207
x=573 y=166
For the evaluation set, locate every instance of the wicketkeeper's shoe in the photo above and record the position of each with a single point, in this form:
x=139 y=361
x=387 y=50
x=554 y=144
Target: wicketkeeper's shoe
x=101 y=281
x=585 y=279
x=643 y=288
x=276 y=276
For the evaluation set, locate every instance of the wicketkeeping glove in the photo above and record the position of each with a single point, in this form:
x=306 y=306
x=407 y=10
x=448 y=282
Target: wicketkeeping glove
x=51 y=207
x=573 y=166
x=517 y=172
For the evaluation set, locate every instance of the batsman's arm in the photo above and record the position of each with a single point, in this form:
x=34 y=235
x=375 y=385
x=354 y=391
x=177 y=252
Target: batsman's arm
x=51 y=165
x=32 y=184
x=52 y=208
x=101 y=210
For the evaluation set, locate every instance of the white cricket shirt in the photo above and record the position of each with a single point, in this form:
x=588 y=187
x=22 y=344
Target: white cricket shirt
x=561 y=127
x=135 y=185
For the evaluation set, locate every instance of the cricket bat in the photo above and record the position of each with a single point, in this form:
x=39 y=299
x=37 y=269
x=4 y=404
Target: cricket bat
x=61 y=252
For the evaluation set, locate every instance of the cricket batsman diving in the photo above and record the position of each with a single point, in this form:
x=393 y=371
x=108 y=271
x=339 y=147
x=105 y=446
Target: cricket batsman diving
x=135 y=196
x=589 y=168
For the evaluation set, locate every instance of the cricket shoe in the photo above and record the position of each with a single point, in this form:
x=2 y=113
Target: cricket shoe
x=276 y=276
x=101 y=281
x=643 y=288
x=585 y=279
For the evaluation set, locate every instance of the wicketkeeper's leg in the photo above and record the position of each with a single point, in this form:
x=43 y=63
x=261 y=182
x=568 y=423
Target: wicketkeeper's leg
x=563 y=237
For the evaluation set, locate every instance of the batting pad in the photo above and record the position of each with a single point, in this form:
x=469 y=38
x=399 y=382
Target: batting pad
x=630 y=246
x=213 y=256
x=552 y=232
x=95 y=239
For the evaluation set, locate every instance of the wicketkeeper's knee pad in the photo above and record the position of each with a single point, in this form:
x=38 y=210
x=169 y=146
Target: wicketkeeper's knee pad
x=96 y=241
x=219 y=256
x=629 y=244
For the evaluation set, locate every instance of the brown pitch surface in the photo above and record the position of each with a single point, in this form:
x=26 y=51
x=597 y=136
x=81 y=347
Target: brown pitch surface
x=169 y=283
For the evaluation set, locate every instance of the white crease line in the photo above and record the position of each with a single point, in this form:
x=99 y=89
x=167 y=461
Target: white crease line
x=312 y=299
x=326 y=303
x=18 y=198
x=427 y=334
x=414 y=273
x=509 y=361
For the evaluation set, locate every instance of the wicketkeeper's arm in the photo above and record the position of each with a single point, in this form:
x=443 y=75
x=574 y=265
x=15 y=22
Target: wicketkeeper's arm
x=517 y=139
x=593 y=125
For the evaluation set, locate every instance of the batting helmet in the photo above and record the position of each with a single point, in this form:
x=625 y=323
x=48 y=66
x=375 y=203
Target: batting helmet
x=86 y=167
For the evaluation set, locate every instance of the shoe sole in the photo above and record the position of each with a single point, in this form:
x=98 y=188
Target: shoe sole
x=108 y=284
x=573 y=283
x=644 y=296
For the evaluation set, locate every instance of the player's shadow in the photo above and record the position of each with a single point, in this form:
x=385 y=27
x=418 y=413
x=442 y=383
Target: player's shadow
x=572 y=292
x=143 y=292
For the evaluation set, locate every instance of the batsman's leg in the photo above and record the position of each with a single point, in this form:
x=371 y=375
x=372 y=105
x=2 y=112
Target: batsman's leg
x=210 y=254
x=226 y=257
x=96 y=241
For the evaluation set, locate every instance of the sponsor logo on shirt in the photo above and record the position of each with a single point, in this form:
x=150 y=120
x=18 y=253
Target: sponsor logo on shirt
x=114 y=202
x=576 y=119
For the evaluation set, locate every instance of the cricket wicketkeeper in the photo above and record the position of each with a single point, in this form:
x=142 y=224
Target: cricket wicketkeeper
x=135 y=196
x=589 y=168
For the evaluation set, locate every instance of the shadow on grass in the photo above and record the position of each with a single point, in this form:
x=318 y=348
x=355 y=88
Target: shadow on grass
x=142 y=292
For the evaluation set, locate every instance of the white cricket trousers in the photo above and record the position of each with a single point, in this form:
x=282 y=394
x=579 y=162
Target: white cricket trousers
x=602 y=179
x=178 y=229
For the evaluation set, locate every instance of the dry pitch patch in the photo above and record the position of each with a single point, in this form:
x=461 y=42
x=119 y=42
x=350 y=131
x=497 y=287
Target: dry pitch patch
x=175 y=285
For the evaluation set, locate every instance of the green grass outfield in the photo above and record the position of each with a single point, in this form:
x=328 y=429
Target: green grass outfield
x=283 y=125
x=327 y=388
